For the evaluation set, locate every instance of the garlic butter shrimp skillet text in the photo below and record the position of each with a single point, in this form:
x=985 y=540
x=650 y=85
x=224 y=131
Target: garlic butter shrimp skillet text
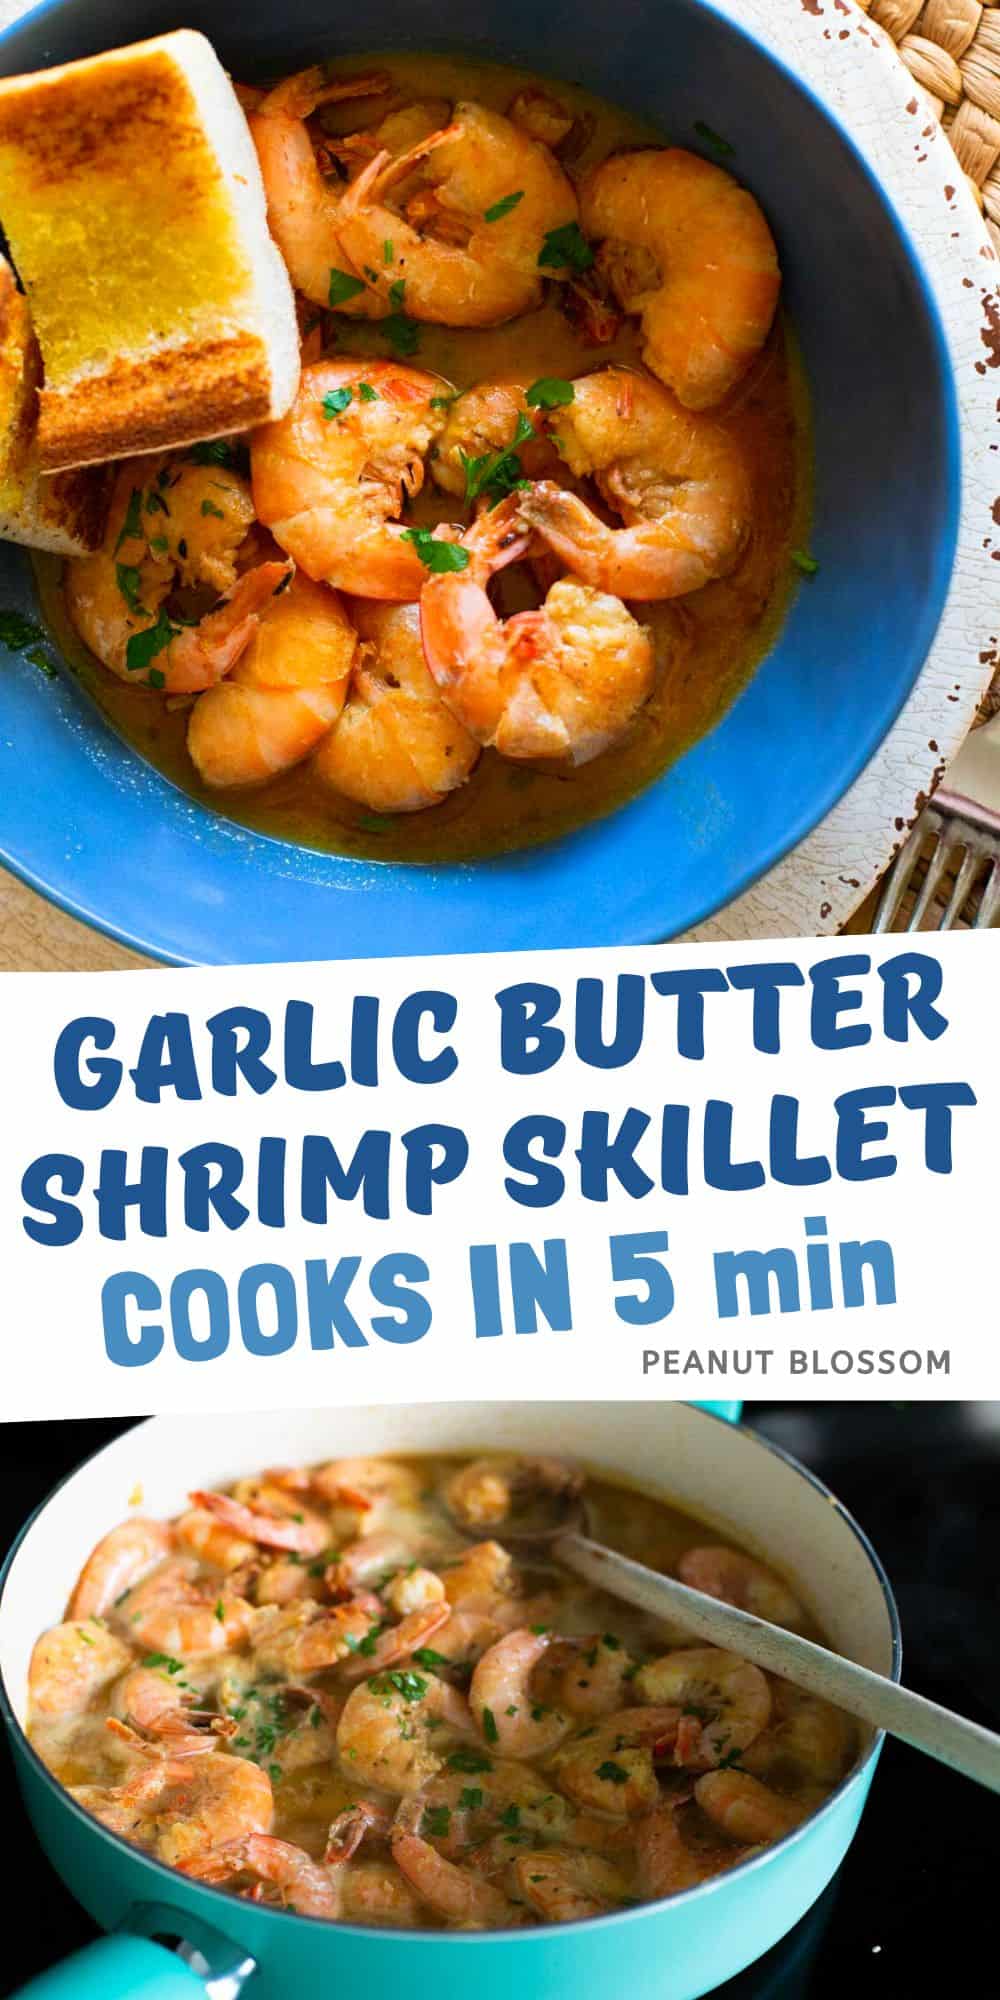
x=316 y=1691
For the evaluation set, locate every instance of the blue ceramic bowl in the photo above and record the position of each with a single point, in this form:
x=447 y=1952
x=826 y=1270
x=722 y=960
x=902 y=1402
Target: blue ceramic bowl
x=675 y=1950
x=83 y=818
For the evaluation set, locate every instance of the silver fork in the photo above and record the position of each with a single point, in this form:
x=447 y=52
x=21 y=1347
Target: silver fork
x=956 y=825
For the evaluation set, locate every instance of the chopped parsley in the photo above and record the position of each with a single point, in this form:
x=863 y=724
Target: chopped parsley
x=490 y=1730
x=343 y=287
x=387 y=251
x=550 y=392
x=165 y=1661
x=335 y=401
x=214 y=451
x=220 y=1612
x=444 y=402
x=129 y=580
x=497 y=473
x=156 y=679
x=612 y=1772
x=209 y=507
x=565 y=246
x=613 y=1645
x=440 y=557
x=412 y=1687
x=503 y=207
x=131 y=528
x=511 y=1816
x=805 y=562
x=713 y=140
x=367 y=393
x=436 y=1821
x=425 y=1656
x=402 y=333
x=469 y=1762
x=155 y=503
x=143 y=647
x=470 y=1798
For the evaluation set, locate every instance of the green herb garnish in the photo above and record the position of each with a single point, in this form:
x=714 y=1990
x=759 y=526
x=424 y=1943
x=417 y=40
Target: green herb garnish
x=131 y=529
x=143 y=647
x=367 y=393
x=335 y=401
x=503 y=207
x=129 y=580
x=209 y=507
x=425 y=1656
x=497 y=473
x=714 y=140
x=214 y=451
x=470 y=1798
x=490 y=1730
x=469 y=1762
x=614 y=1773
x=565 y=246
x=442 y=558
x=550 y=392
x=436 y=1821
x=343 y=287
x=805 y=562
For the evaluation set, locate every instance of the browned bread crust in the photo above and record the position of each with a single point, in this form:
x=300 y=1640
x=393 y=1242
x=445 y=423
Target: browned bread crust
x=171 y=398
x=64 y=512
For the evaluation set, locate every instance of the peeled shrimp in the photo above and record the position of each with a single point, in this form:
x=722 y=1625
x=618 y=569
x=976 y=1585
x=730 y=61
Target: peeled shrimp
x=564 y=1888
x=597 y=1678
x=302 y=206
x=609 y=1767
x=71 y=1663
x=726 y=1701
x=482 y=1493
x=286 y=1527
x=455 y=1893
x=501 y=1700
x=374 y=1892
x=806 y=1739
x=677 y=480
x=738 y=1579
x=396 y=747
x=667 y=1863
x=400 y=1641
x=210 y=1539
x=117 y=599
x=564 y=681
x=119 y=1560
x=745 y=1809
x=472 y=265
x=284 y=694
x=175 y=1611
x=306 y=1638
x=395 y=1727
x=148 y=1703
x=689 y=250
x=286 y=1875
x=181 y=1808
x=484 y=420
x=330 y=479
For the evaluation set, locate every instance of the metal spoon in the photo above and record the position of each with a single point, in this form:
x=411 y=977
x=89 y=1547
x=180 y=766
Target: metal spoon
x=871 y=1697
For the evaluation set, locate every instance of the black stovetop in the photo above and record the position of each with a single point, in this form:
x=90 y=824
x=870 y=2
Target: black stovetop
x=913 y=1904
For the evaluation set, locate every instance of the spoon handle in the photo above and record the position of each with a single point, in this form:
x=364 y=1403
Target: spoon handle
x=871 y=1697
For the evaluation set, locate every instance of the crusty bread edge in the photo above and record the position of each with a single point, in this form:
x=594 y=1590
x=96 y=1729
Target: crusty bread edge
x=65 y=514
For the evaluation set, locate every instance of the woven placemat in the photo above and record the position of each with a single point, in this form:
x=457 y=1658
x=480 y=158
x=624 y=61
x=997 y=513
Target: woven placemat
x=951 y=49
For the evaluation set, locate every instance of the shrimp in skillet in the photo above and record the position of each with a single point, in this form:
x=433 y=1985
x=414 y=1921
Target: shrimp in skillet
x=284 y=695
x=331 y=478
x=564 y=681
x=688 y=250
x=465 y=252
x=678 y=482
x=397 y=747
x=302 y=204
x=173 y=525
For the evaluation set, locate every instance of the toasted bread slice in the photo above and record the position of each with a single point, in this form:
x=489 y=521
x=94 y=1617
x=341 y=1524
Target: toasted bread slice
x=64 y=512
x=134 y=208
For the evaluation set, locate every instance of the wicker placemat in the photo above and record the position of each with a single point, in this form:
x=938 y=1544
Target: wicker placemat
x=951 y=49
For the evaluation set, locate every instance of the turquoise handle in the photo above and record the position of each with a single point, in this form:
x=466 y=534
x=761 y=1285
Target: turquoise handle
x=117 y=1968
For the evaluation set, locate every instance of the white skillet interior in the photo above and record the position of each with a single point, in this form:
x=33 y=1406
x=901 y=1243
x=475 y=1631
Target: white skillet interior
x=724 y=1476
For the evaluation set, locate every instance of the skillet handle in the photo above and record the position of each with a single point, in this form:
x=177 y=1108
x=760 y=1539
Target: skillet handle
x=117 y=1968
x=137 y=1963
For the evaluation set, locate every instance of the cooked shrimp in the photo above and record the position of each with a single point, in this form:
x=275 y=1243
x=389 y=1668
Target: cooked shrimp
x=368 y=1560
x=351 y=1828
x=149 y=1704
x=210 y=1539
x=482 y=1493
x=180 y=1809
x=689 y=250
x=285 y=1875
x=745 y=1809
x=396 y=747
x=174 y=1611
x=395 y=1728
x=71 y=1663
x=330 y=479
x=479 y=261
x=414 y=1589
x=564 y=1887
x=119 y=1560
x=306 y=1638
x=667 y=1863
x=118 y=598
x=501 y=1700
x=485 y=419
x=610 y=1766
x=400 y=1641
x=285 y=1526
x=738 y=1579
x=302 y=206
x=283 y=695
x=483 y=1578
x=726 y=1701
x=677 y=480
x=455 y=1893
x=564 y=681
x=596 y=1680
x=375 y=1892
x=806 y=1740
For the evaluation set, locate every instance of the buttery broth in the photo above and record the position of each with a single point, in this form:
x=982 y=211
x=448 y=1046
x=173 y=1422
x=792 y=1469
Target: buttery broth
x=707 y=644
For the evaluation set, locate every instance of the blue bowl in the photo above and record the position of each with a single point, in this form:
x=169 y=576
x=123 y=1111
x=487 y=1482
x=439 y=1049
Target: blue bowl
x=86 y=820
